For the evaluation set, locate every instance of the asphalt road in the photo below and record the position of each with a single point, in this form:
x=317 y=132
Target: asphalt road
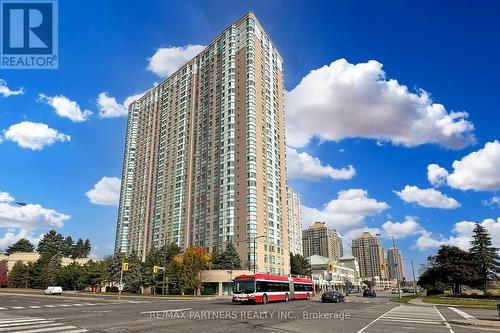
x=37 y=314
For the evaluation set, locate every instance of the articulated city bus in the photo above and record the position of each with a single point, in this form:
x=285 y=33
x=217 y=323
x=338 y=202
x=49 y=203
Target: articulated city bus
x=264 y=288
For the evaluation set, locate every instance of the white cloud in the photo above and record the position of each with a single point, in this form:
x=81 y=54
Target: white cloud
x=34 y=136
x=167 y=60
x=401 y=230
x=30 y=217
x=355 y=100
x=6 y=197
x=348 y=211
x=426 y=242
x=479 y=171
x=110 y=108
x=10 y=237
x=429 y=197
x=105 y=192
x=303 y=165
x=436 y=175
x=494 y=202
x=462 y=235
x=65 y=107
x=6 y=91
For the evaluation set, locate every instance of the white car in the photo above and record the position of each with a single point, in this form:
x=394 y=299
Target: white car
x=53 y=291
x=395 y=291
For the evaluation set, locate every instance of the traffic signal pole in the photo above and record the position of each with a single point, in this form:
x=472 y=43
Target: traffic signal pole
x=120 y=287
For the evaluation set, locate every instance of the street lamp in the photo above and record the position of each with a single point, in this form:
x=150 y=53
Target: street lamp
x=395 y=264
x=413 y=273
x=254 y=240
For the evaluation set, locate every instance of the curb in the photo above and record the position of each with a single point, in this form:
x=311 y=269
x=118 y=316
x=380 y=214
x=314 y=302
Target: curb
x=476 y=323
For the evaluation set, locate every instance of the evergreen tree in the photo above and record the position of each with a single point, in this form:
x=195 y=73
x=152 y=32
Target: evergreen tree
x=86 y=248
x=134 y=277
x=18 y=275
x=69 y=277
x=79 y=249
x=230 y=259
x=43 y=273
x=299 y=265
x=484 y=256
x=22 y=245
x=68 y=246
x=216 y=257
x=51 y=244
x=94 y=274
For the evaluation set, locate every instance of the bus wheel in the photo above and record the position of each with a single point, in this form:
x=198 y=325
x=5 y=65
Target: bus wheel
x=308 y=297
x=264 y=299
x=286 y=298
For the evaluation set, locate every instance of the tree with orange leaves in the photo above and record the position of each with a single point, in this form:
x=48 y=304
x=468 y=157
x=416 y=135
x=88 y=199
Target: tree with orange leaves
x=186 y=268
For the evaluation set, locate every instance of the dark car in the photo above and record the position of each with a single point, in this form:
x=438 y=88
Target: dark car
x=332 y=296
x=369 y=293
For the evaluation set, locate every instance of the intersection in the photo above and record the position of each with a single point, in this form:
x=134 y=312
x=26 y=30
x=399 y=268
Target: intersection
x=26 y=313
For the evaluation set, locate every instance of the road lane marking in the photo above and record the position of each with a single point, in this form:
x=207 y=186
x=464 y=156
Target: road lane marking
x=444 y=320
x=49 y=306
x=169 y=310
x=18 y=307
x=375 y=320
x=462 y=313
x=3 y=309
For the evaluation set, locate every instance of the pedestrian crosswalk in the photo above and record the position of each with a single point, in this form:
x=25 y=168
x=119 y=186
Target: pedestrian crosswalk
x=66 y=305
x=35 y=325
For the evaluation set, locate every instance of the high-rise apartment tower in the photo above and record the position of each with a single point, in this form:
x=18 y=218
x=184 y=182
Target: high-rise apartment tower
x=205 y=156
x=395 y=266
x=294 y=204
x=370 y=253
x=320 y=240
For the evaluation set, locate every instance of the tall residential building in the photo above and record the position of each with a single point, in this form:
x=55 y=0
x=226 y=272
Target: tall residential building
x=205 y=159
x=395 y=265
x=294 y=204
x=319 y=240
x=370 y=253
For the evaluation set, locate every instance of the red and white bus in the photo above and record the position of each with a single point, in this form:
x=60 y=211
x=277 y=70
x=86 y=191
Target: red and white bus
x=264 y=288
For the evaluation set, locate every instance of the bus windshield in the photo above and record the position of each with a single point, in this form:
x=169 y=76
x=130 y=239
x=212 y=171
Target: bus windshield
x=244 y=286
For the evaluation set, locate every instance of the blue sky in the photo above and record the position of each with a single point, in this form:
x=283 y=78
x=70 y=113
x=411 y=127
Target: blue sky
x=449 y=49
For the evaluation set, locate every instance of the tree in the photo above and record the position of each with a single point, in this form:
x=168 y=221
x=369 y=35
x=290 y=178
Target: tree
x=484 y=256
x=86 y=248
x=216 y=258
x=186 y=268
x=159 y=257
x=19 y=275
x=134 y=277
x=78 y=249
x=22 y=245
x=94 y=274
x=4 y=279
x=299 y=265
x=52 y=243
x=451 y=267
x=69 y=277
x=43 y=272
x=68 y=246
x=229 y=259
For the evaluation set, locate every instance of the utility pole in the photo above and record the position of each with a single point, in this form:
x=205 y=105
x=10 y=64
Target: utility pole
x=396 y=265
x=120 y=287
x=414 y=282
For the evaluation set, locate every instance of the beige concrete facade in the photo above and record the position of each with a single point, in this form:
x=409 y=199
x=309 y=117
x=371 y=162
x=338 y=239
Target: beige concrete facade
x=318 y=239
x=395 y=265
x=31 y=257
x=205 y=161
x=294 y=215
x=370 y=253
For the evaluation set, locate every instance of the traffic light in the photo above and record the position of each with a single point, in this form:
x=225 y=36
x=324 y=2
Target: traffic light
x=155 y=269
x=382 y=266
x=330 y=267
x=125 y=266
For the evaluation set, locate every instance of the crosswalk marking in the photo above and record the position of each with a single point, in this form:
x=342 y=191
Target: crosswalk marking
x=462 y=313
x=65 y=305
x=36 y=325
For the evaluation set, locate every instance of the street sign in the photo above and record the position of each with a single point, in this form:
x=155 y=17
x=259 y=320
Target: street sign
x=125 y=266
x=120 y=287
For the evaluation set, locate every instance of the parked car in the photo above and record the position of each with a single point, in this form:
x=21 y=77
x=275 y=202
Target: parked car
x=369 y=293
x=395 y=292
x=53 y=291
x=332 y=296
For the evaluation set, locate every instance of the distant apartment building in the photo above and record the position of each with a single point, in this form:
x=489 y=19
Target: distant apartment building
x=318 y=239
x=395 y=266
x=205 y=161
x=294 y=204
x=370 y=254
